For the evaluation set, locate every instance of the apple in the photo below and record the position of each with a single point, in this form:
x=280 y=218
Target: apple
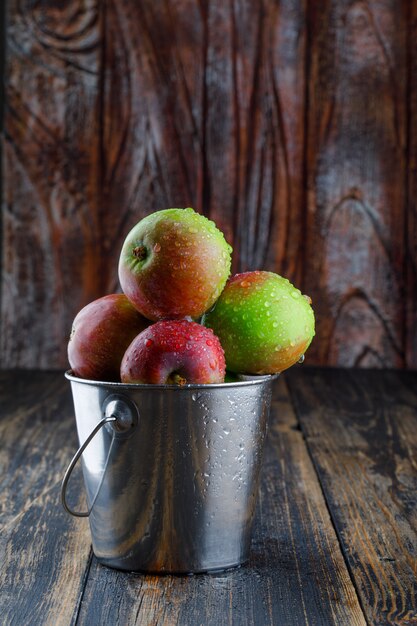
x=174 y=352
x=264 y=323
x=100 y=334
x=174 y=263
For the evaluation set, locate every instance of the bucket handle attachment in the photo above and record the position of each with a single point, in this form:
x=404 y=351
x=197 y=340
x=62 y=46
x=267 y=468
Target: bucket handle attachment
x=67 y=475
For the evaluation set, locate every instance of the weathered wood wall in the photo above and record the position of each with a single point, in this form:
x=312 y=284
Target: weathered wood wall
x=291 y=123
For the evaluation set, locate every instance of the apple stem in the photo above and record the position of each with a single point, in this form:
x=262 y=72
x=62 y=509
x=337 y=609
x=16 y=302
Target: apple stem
x=139 y=252
x=177 y=379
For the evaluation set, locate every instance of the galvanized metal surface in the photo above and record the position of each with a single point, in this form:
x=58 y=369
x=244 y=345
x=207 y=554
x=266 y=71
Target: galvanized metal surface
x=172 y=483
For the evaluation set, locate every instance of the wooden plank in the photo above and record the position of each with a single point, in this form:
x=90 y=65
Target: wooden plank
x=44 y=552
x=254 y=129
x=360 y=429
x=51 y=229
x=204 y=106
x=411 y=214
x=296 y=574
x=45 y=558
x=151 y=103
x=35 y=417
x=356 y=163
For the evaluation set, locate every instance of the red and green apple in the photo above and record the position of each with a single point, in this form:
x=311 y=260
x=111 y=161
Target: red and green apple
x=174 y=264
x=264 y=323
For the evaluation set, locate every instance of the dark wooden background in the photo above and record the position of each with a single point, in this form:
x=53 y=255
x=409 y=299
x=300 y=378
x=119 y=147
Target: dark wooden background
x=291 y=123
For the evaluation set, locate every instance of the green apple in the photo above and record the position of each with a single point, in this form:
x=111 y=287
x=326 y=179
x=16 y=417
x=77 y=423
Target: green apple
x=264 y=323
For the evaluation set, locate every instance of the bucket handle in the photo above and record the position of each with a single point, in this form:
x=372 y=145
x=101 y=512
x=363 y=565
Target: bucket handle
x=67 y=475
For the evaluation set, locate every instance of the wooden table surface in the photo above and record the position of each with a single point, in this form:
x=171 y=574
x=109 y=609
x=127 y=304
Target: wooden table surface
x=335 y=534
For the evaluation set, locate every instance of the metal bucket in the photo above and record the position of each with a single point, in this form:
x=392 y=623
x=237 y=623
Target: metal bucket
x=171 y=473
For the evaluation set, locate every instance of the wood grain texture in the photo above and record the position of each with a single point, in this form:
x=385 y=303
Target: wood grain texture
x=344 y=461
x=291 y=123
x=51 y=232
x=204 y=107
x=44 y=553
x=360 y=428
x=34 y=420
x=356 y=160
x=411 y=216
x=296 y=574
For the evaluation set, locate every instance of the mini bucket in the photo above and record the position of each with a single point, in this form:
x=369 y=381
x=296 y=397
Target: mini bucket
x=171 y=473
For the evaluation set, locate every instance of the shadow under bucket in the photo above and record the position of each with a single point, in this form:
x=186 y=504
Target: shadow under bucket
x=171 y=473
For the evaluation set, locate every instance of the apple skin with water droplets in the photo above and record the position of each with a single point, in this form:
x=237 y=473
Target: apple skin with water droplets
x=264 y=323
x=100 y=334
x=174 y=264
x=174 y=352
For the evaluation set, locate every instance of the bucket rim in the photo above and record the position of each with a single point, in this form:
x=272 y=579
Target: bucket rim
x=244 y=380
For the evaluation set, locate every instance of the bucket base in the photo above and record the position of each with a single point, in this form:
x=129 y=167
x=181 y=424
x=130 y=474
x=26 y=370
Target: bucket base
x=165 y=572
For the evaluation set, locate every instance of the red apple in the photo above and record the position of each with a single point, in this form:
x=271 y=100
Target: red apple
x=100 y=334
x=174 y=352
x=174 y=264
